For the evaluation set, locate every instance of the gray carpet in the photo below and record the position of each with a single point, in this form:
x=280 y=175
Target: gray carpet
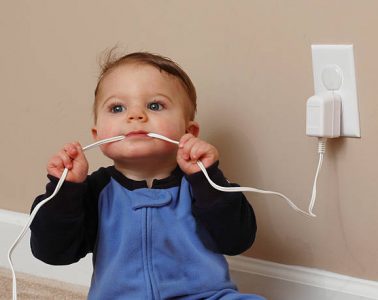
x=36 y=288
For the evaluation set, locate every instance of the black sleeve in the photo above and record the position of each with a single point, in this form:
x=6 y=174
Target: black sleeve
x=65 y=228
x=228 y=217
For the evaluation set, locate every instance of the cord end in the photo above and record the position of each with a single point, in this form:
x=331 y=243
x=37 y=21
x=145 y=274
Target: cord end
x=322 y=145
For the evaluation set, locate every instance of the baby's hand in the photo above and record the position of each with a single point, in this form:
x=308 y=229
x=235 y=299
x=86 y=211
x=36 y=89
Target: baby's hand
x=192 y=149
x=72 y=158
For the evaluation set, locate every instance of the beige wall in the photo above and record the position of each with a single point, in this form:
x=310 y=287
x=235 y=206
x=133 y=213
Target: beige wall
x=251 y=63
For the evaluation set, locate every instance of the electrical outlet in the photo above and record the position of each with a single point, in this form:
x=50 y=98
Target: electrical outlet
x=333 y=69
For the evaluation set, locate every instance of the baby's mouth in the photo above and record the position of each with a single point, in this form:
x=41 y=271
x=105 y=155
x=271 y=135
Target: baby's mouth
x=137 y=133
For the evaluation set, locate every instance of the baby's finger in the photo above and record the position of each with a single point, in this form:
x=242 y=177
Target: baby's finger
x=55 y=166
x=71 y=150
x=184 y=139
x=187 y=148
x=56 y=162
x=199 y=149
x=79 y=149
x=67 y=160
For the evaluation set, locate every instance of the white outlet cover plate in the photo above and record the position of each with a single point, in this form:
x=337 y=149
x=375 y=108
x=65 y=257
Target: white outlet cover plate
x=342 y=56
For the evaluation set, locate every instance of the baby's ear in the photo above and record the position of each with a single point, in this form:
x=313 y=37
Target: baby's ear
x=193 y=128
x=94 y=133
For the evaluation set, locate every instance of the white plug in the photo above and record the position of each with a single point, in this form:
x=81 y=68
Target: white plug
x=323 y=115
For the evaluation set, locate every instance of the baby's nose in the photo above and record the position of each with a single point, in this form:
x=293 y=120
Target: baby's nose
x=136 y=114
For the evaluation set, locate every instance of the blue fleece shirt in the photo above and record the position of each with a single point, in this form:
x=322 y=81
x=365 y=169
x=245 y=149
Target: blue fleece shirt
x=164 y=242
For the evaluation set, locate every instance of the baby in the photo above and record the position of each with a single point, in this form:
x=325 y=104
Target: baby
x=156 y=228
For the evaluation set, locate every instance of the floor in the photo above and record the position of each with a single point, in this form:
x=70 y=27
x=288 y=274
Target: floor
x=35 y=288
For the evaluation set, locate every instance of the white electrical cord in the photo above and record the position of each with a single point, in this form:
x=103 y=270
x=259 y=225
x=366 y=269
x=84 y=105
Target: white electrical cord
x=40 y=204
x=321 y=151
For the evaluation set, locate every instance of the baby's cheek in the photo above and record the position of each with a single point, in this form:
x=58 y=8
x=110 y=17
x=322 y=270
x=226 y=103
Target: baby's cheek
x=112 y=150
x=176 y=132
x=106 y=132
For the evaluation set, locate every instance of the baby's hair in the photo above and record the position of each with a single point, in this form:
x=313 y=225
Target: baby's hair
x=112 y=60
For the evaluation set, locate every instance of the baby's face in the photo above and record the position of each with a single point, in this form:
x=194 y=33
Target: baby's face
x=135 y=99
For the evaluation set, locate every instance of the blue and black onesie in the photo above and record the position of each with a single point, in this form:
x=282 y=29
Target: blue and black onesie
x=163 y=242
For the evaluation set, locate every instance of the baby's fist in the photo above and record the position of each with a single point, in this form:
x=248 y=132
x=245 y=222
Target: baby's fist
x=71 y=156
x=191 y=149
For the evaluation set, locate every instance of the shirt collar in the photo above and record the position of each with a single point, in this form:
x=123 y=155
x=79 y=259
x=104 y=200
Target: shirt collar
x=174 y=179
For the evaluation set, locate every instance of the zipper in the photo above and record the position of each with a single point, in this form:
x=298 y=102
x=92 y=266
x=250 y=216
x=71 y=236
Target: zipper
x=147 y=256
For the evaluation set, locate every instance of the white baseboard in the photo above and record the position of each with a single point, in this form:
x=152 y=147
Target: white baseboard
x=11 y=224
x=325 y=280
x=287 y=280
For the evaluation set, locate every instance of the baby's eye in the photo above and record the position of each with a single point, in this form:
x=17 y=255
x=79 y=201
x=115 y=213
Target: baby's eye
x=155 y=106
x=117 y=108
